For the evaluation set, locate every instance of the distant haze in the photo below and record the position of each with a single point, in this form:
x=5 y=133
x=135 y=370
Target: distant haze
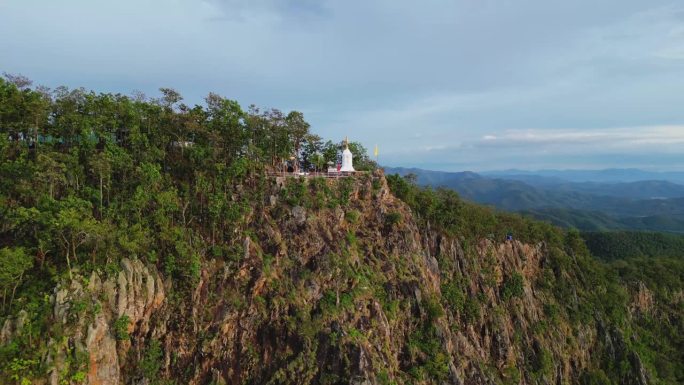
x=459 y=85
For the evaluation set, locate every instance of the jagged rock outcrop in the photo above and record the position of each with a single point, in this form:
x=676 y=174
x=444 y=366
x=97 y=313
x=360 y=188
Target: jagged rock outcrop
x=345 y=293
x=87 y=311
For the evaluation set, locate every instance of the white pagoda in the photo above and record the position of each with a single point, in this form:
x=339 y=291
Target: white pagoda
x=347 y=158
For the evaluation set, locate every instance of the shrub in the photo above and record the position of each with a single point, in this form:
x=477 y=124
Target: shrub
x=471 y=310
x=392 y=218
x=541 y=362
x=551 y=312
x=511 y=375
x=512 y=286
x=121 y=328
x=454 y=296
x=344 y=189
x=152 y=360
x=433 y=308
x=595 y=377
x=352 y=216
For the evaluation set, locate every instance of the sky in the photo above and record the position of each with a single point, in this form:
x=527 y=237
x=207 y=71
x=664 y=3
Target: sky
x=445 y=85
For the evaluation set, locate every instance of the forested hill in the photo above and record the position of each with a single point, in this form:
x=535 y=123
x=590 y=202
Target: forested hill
x=144 y=241
x=589 y=206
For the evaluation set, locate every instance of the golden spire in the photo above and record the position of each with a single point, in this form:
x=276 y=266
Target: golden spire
x=346 y=142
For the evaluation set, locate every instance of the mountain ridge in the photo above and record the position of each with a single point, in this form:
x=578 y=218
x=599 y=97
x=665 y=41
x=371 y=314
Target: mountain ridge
x=612 y=205
x=145 y=242
x=615 y=175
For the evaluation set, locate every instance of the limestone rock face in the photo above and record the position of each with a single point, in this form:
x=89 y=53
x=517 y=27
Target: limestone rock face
x=299 y=214
x=329 y=292
x=643 y=301
x=12 y=327
x=136 y=292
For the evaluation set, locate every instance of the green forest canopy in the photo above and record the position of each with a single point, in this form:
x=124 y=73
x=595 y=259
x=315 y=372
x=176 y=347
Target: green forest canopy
x=87 y=177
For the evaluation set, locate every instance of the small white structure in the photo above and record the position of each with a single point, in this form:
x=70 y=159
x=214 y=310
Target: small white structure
x=347 y=158
x=182 y=144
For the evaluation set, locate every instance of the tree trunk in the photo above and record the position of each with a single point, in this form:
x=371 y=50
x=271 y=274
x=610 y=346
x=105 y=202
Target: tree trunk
x=100 y=196
x=69 y=265
x=14 y=289
x=73 y=249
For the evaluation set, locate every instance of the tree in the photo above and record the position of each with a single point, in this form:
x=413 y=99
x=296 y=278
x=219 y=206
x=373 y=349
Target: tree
x=20 y=81
x=362 y=162
x=297 y=128
x=70 y=119
x=51 y=173
x=170 y=97
x=100 y=165
x=280 y=145
x=226 y=121
x=75 y=226
x=14 y=262
x=22 y=110
x=330 y=152
x=311 y=156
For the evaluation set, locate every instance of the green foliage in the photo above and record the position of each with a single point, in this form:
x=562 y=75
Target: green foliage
x=595 y=377
x=641 y=216
x=295 y=193
x=454 y=294
x=151 y=362
x=444 y=209
x=352 y=216
x=383 y=378
x=540 y=362
x=344 y=189
x=120 y=328
x=392 y=218
x=362 y=161
x=512 y=286
x=471 y=310
x=552 y=312
x=431 y=360
x=79 y=377
x=86 y=178
x=511 y=375
x=14 y=262
x=611 y=246
x=20 y=371
x=433 y=308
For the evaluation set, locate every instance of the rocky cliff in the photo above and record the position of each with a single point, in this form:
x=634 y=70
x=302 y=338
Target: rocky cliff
x=337 y=282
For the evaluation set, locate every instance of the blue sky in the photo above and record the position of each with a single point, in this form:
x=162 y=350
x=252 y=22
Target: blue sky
x=450 y=85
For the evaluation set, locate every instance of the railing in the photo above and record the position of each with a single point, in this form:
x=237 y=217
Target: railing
x=335 y=174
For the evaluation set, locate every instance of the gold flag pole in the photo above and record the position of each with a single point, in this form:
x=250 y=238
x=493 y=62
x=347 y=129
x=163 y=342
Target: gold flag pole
x=376 y=153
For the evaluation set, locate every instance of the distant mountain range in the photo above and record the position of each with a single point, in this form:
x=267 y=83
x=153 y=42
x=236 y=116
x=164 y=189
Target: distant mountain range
x=584 y=203
x=611 y=175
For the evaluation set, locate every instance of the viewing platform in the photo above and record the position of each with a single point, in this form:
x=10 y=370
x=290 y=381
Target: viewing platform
x=328 y=174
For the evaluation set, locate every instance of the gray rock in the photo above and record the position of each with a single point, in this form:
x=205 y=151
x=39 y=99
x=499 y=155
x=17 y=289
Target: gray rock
x=299 y=214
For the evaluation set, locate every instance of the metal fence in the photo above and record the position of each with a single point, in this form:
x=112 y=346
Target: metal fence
x=337 y=174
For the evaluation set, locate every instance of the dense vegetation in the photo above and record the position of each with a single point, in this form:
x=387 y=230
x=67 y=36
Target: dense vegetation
x=443 y=208
x=616 y=245
x=89 y=179
x=653 y=260
x=86 y=178
x=586 y=206
x=598 y=221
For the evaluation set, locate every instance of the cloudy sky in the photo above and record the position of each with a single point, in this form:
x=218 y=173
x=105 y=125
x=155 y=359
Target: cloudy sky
x=450 y=85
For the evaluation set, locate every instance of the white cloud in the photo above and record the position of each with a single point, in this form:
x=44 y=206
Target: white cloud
x=623 y=137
